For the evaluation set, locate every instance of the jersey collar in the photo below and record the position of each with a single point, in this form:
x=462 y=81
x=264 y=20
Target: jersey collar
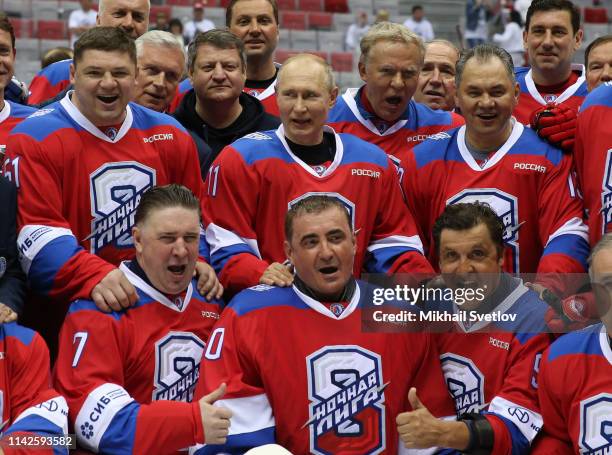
x=84 y=122
x=566 y=94
x=496 y=157
x=280 y=133
x=154 y=293
x=268 y=92
x=320 y=308
x=503 y=307
x=5 y=112
x=349 y=99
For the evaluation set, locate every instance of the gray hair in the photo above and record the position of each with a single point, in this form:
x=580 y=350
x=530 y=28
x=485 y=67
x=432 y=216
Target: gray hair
x=605 y=243
x=160 y=38
x=329 y=75
x=221 y=39
x=389 y=31
x=484 y=53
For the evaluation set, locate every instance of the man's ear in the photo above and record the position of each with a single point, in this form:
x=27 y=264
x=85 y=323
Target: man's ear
x=137 y=236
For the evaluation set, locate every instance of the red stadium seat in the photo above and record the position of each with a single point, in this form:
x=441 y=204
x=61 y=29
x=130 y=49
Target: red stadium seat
x=595 y=15
x=159 y=9
x=336 y=6
x=311 y=5
x=293 y=20
x=51 y=29
x=24 y=28
x=286 y=5
x=342 y=61
x=320 y=20
x=224 y=3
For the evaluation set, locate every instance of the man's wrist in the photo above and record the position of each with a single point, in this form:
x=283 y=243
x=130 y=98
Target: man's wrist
x=455 y=435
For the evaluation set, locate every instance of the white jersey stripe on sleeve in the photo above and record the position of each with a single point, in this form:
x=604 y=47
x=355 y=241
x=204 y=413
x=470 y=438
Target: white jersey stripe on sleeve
x=98 y=411
x=413 y=242
x=218 y=237
x=33 y=238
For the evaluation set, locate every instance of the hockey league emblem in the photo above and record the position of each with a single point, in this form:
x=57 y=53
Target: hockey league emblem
x=606 y=196
x=464 y=381
x=347 y=412
x=115 y=192
x=177 y=366
x=596 y=425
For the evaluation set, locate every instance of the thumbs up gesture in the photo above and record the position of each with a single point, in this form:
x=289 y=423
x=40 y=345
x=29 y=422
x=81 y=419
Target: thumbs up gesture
x=418 y=429
x=215 y=419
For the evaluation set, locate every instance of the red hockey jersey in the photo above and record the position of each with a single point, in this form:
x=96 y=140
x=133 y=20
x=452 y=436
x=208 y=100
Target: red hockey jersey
x=575 y=391
x=491 y=366
x=123 y=373
x=28 y=406
x=312 y=381
x=530 y=100
x=78 y=189
x=527 y=182
x=593 y=156
x=254 y=180
x=420 y=123
x=10 y=116
x=50 y=82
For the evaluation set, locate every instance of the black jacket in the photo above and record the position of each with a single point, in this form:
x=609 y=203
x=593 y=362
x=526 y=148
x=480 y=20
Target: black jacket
x=253 y=118
x=12 y=279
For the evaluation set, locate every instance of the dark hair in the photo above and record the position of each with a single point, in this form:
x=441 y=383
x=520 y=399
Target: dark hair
x=161 y=197
x=5 y=24
x=484 y=53
x=592 y=45
x=461 y=217
x=230 y=7
x=416 y=8
x=221 y=39
x=56 y=54
x=173 y=22
x=515 y=16
x=104 y=39
x=313 y=204
x=554 y=5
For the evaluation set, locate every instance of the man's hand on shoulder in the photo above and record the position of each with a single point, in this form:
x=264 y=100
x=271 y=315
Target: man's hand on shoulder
x=114 y=292
x=277 y=274
x=208 y=283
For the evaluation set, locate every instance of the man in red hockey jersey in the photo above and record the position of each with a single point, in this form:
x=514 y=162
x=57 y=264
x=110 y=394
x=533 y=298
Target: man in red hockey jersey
x=551 y=37
x=575 y=379
x=81 y=166
x=132 y=16
x=382 y=111
x=299 y=369
x=488 y=366
x=143 y=363
x=495 y=159
x=254 y=180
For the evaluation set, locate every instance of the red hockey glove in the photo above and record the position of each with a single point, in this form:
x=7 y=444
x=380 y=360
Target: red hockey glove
x=556 y=124
x=573 y=313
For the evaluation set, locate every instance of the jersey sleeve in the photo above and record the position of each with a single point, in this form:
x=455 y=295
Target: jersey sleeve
x=561 y=227
x=48 y=83
x=35 y=408
x=395 y=245
x=90 y=373
x=230 y=358
x=515 y=412
x=54 y=262
x=554 y=404
x=230 y=216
